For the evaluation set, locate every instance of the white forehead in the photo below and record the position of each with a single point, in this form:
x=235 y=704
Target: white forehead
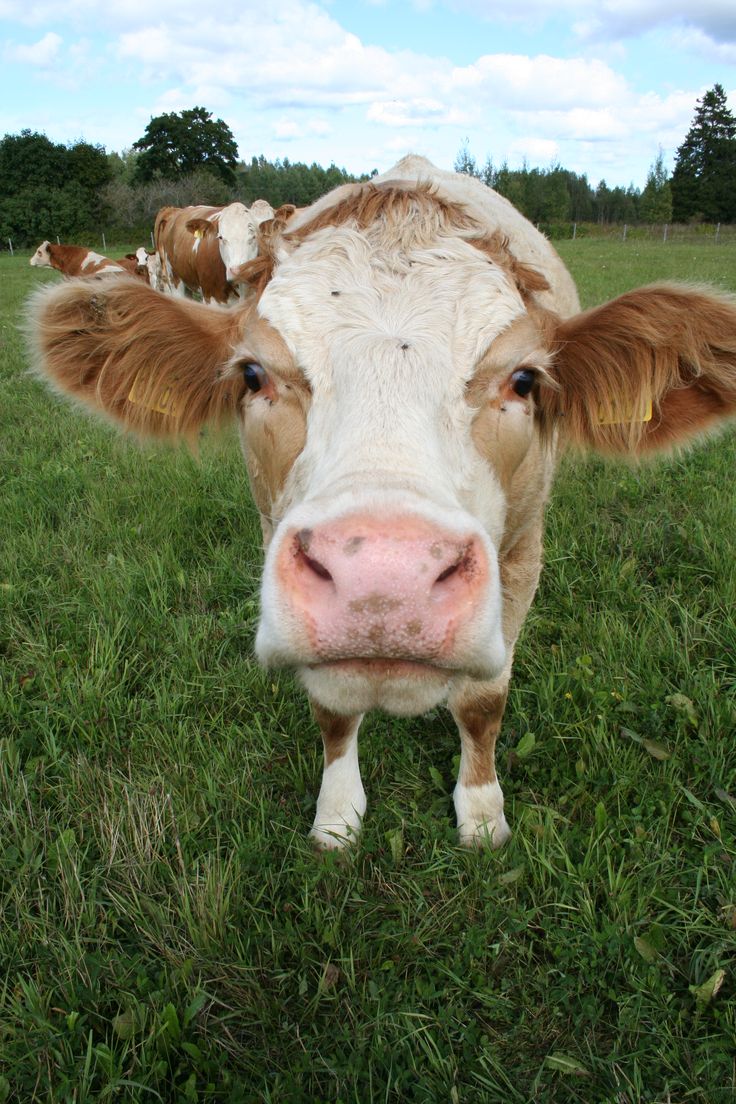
x=338 y=299
x=236 y=224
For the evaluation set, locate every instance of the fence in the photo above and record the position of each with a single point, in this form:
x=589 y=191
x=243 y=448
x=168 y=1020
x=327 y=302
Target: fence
x=677 y=233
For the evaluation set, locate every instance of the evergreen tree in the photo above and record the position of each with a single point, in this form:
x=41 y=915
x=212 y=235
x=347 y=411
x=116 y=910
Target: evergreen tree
x=704 y=178
x=656 y=199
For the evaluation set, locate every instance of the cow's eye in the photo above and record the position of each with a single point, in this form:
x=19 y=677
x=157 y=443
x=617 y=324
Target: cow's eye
x=254 y=376
x=522 y=381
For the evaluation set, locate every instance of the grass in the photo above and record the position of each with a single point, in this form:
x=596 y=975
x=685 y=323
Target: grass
x=165 y=931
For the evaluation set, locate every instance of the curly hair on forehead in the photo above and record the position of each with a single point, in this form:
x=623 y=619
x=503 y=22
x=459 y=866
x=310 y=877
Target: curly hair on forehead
x=412 y=215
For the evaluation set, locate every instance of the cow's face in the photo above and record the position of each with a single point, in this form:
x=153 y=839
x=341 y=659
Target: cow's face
x=237 y=234
x=42 y=256
x=387 y=409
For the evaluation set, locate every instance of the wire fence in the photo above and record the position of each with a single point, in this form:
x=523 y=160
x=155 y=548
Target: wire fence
x=672 y=233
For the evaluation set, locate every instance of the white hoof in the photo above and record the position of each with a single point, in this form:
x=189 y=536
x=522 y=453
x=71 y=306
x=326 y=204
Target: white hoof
x=340 y=806
x=480 y=819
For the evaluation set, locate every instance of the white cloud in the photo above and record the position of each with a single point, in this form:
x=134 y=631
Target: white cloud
x=42 y=53
x=290 y=129
x=606 y=19
x=537 y=151
x=418 y=112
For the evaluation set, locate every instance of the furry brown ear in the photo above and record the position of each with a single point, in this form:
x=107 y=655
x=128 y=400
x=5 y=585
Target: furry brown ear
x=645 y=372
x=151 y=363
x=201 y=227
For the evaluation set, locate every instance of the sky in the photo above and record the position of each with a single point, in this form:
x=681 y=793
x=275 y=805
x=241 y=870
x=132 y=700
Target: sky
x=598 y=86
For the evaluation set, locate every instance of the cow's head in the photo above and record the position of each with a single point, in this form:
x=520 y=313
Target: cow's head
x=42 y=256
x=236 y=229
x=399 y=392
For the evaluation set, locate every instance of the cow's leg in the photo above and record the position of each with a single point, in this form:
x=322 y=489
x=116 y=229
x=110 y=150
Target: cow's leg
x=478 y=710
x=341 y=802
x=478 y=707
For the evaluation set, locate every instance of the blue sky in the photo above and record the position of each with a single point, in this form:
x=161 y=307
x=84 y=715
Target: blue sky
x=598 y=85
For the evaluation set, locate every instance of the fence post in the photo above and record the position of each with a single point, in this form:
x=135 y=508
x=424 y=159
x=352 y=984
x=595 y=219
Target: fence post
x=664 y=235
x=574 y=230
x=718 y=230
x=104 y=243
x=625 y=229
x=10 y=243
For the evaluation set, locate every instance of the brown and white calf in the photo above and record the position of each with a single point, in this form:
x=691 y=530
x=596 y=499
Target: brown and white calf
x=410 y=362
x=75 y=260
x=202 y=248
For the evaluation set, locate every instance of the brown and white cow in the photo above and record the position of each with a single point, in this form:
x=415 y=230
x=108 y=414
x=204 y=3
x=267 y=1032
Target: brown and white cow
x=202 y=248
x=409 y=365
x=75 y=260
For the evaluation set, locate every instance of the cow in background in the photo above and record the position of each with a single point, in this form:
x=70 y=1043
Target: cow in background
x=75 y=260
x=202 y=248
x=148 y=267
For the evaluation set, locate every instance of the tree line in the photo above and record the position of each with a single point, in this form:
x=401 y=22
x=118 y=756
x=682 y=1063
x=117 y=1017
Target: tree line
x=72 y=191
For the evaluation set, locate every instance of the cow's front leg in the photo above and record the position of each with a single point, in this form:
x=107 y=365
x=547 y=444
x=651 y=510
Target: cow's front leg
x=478 y=711
x=341 y=802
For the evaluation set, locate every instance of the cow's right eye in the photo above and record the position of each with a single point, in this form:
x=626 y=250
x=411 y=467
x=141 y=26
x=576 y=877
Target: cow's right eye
x=254 y=376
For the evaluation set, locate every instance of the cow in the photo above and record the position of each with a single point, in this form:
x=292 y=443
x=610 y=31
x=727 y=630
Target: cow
x=201 y=248
x=409 y=365
x=76 y=260
x=136 y=264
x=147 y=267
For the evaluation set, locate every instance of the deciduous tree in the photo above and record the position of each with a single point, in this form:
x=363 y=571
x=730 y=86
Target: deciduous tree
x=178 y=143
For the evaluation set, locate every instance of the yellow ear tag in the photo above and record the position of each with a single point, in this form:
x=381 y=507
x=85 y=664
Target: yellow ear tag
x=163 y=403
x=198 y=233
x=627 y=416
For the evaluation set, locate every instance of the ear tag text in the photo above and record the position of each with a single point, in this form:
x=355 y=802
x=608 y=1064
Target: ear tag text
x=626 y=417
x=163 y=403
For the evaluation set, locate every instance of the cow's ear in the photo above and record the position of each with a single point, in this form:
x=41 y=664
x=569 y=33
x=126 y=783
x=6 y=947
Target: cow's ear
x=645 y=372
x=151 y=363
x=201 y=227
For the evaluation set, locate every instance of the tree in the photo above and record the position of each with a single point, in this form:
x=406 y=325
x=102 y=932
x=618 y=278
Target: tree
x=705 y=163
x=656 y=199
x=465 y=162
x=31 y=159
x=177 y=144
x=88 y=165
x=47 y=189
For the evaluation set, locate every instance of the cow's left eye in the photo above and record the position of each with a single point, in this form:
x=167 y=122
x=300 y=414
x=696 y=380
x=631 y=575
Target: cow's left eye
x=522 y=381
x=254 y=376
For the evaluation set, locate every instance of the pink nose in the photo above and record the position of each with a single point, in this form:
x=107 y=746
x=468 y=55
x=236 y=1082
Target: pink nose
x=395 y=587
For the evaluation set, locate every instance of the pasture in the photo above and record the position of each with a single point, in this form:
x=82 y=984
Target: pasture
x=166 y=933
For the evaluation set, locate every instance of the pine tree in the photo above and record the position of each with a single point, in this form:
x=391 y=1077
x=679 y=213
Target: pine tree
x=656 y=199
x=704 y=178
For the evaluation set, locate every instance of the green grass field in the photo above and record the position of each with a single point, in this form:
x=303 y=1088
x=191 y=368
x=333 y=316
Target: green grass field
x=166 y=933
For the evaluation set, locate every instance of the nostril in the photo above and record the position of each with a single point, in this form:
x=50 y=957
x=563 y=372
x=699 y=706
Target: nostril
x=316 y=567
x=447 y=572
x=302 y=542
x=463 y=566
